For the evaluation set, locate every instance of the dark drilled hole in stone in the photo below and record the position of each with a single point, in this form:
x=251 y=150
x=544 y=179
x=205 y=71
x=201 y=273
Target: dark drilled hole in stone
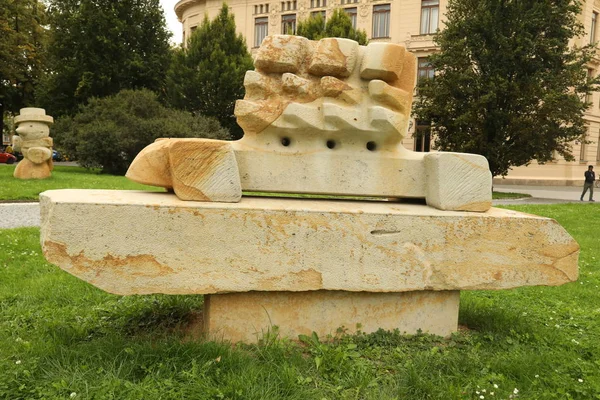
x=371 y=146
x=331 y=144
x=285 y=141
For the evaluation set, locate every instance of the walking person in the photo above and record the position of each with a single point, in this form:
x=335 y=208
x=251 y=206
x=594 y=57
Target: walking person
x=590 y=177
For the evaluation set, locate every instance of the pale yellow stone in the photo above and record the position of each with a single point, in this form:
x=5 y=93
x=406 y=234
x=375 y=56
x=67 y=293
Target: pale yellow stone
x=43 y=142
x=282 y=53
x=249 y=317
x=196 y=169
x=383 y=61
x=33 y=130
x=338 y=134
x=334 y=57
x=26 y=169
x=458 y=181
x=263 y=244
x=38 y=155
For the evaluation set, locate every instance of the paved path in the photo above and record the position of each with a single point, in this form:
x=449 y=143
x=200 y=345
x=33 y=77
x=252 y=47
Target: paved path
x=544 y=194
x=13 y=215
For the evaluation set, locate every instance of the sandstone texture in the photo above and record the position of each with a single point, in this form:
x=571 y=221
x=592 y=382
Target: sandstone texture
x=248 y=317
x=33 y=130
x=196 y=169
x=129 y=242
x=327 y=117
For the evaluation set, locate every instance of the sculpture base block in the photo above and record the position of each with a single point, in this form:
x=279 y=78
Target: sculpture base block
x=248 y=317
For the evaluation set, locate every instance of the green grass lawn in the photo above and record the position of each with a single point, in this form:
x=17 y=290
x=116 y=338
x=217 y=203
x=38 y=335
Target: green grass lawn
x=62 y=338
x=509 y=195
x=62 y=178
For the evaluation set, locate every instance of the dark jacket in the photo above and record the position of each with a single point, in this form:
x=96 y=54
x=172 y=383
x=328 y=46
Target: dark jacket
x=590 y=176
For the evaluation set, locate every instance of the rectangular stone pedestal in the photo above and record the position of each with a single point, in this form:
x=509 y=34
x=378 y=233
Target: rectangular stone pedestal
x=247 y=317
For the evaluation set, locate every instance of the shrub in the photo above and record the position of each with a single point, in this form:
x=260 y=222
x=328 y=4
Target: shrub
x=109 y=132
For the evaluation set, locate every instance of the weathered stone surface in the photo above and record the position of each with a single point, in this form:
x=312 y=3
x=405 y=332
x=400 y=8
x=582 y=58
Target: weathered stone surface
x=247 y=317
x=281 y=53
x=383 y=61
x=137 y=242
x=458 y=181
x=33 y=129
x=328 y=117
x=334 y=57
x=27 y=169
x=196 y=169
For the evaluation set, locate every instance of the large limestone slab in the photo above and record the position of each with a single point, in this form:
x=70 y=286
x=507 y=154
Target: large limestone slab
x=247 y=317
x=129 y=242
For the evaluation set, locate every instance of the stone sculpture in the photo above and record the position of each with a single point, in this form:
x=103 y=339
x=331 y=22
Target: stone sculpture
x=322 y=117
x=34 y=141
x=319 y=117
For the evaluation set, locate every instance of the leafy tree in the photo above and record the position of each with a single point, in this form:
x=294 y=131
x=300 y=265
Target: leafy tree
x=339 y=25
x=509 y=86
x=22 y=38
x=208 y=75
x=99 y=47
x=109 y=132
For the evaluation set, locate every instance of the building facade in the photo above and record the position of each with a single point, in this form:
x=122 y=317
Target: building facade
x=411 y=23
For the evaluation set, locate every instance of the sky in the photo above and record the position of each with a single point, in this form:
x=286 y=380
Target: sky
x=172 y=23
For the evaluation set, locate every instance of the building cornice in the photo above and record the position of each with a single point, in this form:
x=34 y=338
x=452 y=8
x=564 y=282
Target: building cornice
x=183 y=5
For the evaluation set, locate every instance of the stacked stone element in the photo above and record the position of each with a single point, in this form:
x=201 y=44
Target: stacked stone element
x=320 y=117
x=34 y=141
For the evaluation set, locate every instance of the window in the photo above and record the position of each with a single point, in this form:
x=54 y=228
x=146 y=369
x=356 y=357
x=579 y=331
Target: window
x=589 y=97
x=288 y=5
x=342 y=2
x=424 y=69
x=318 y=3
x=352 y=12
x=192 y=29
x=381 y=21
x=430 y=10
x=593 y=27
x=582 y=149
x=261 y=27
x=423 y=136
x=321 y=13
x=261 y=9
x=288 y=24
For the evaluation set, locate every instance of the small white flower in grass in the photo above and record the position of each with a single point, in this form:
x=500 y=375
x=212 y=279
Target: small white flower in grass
x=492 y=393
x=18 y=362
x=516 y=391
x=482 y=397
x=495 y=386
x=574 y=341
x=72 y=395
x=477 y=391
x=580 y=380
x=537 y=376
x=483 y=390
x=557 y=326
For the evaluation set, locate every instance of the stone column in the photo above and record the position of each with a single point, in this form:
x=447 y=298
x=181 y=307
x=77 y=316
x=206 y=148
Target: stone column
x=34 y=141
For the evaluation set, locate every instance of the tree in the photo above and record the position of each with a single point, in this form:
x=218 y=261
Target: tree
x=208 y=75
x=109 y=132
x=100 y=47
x=339 y=25
x=22 y=39
x=509 y=85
